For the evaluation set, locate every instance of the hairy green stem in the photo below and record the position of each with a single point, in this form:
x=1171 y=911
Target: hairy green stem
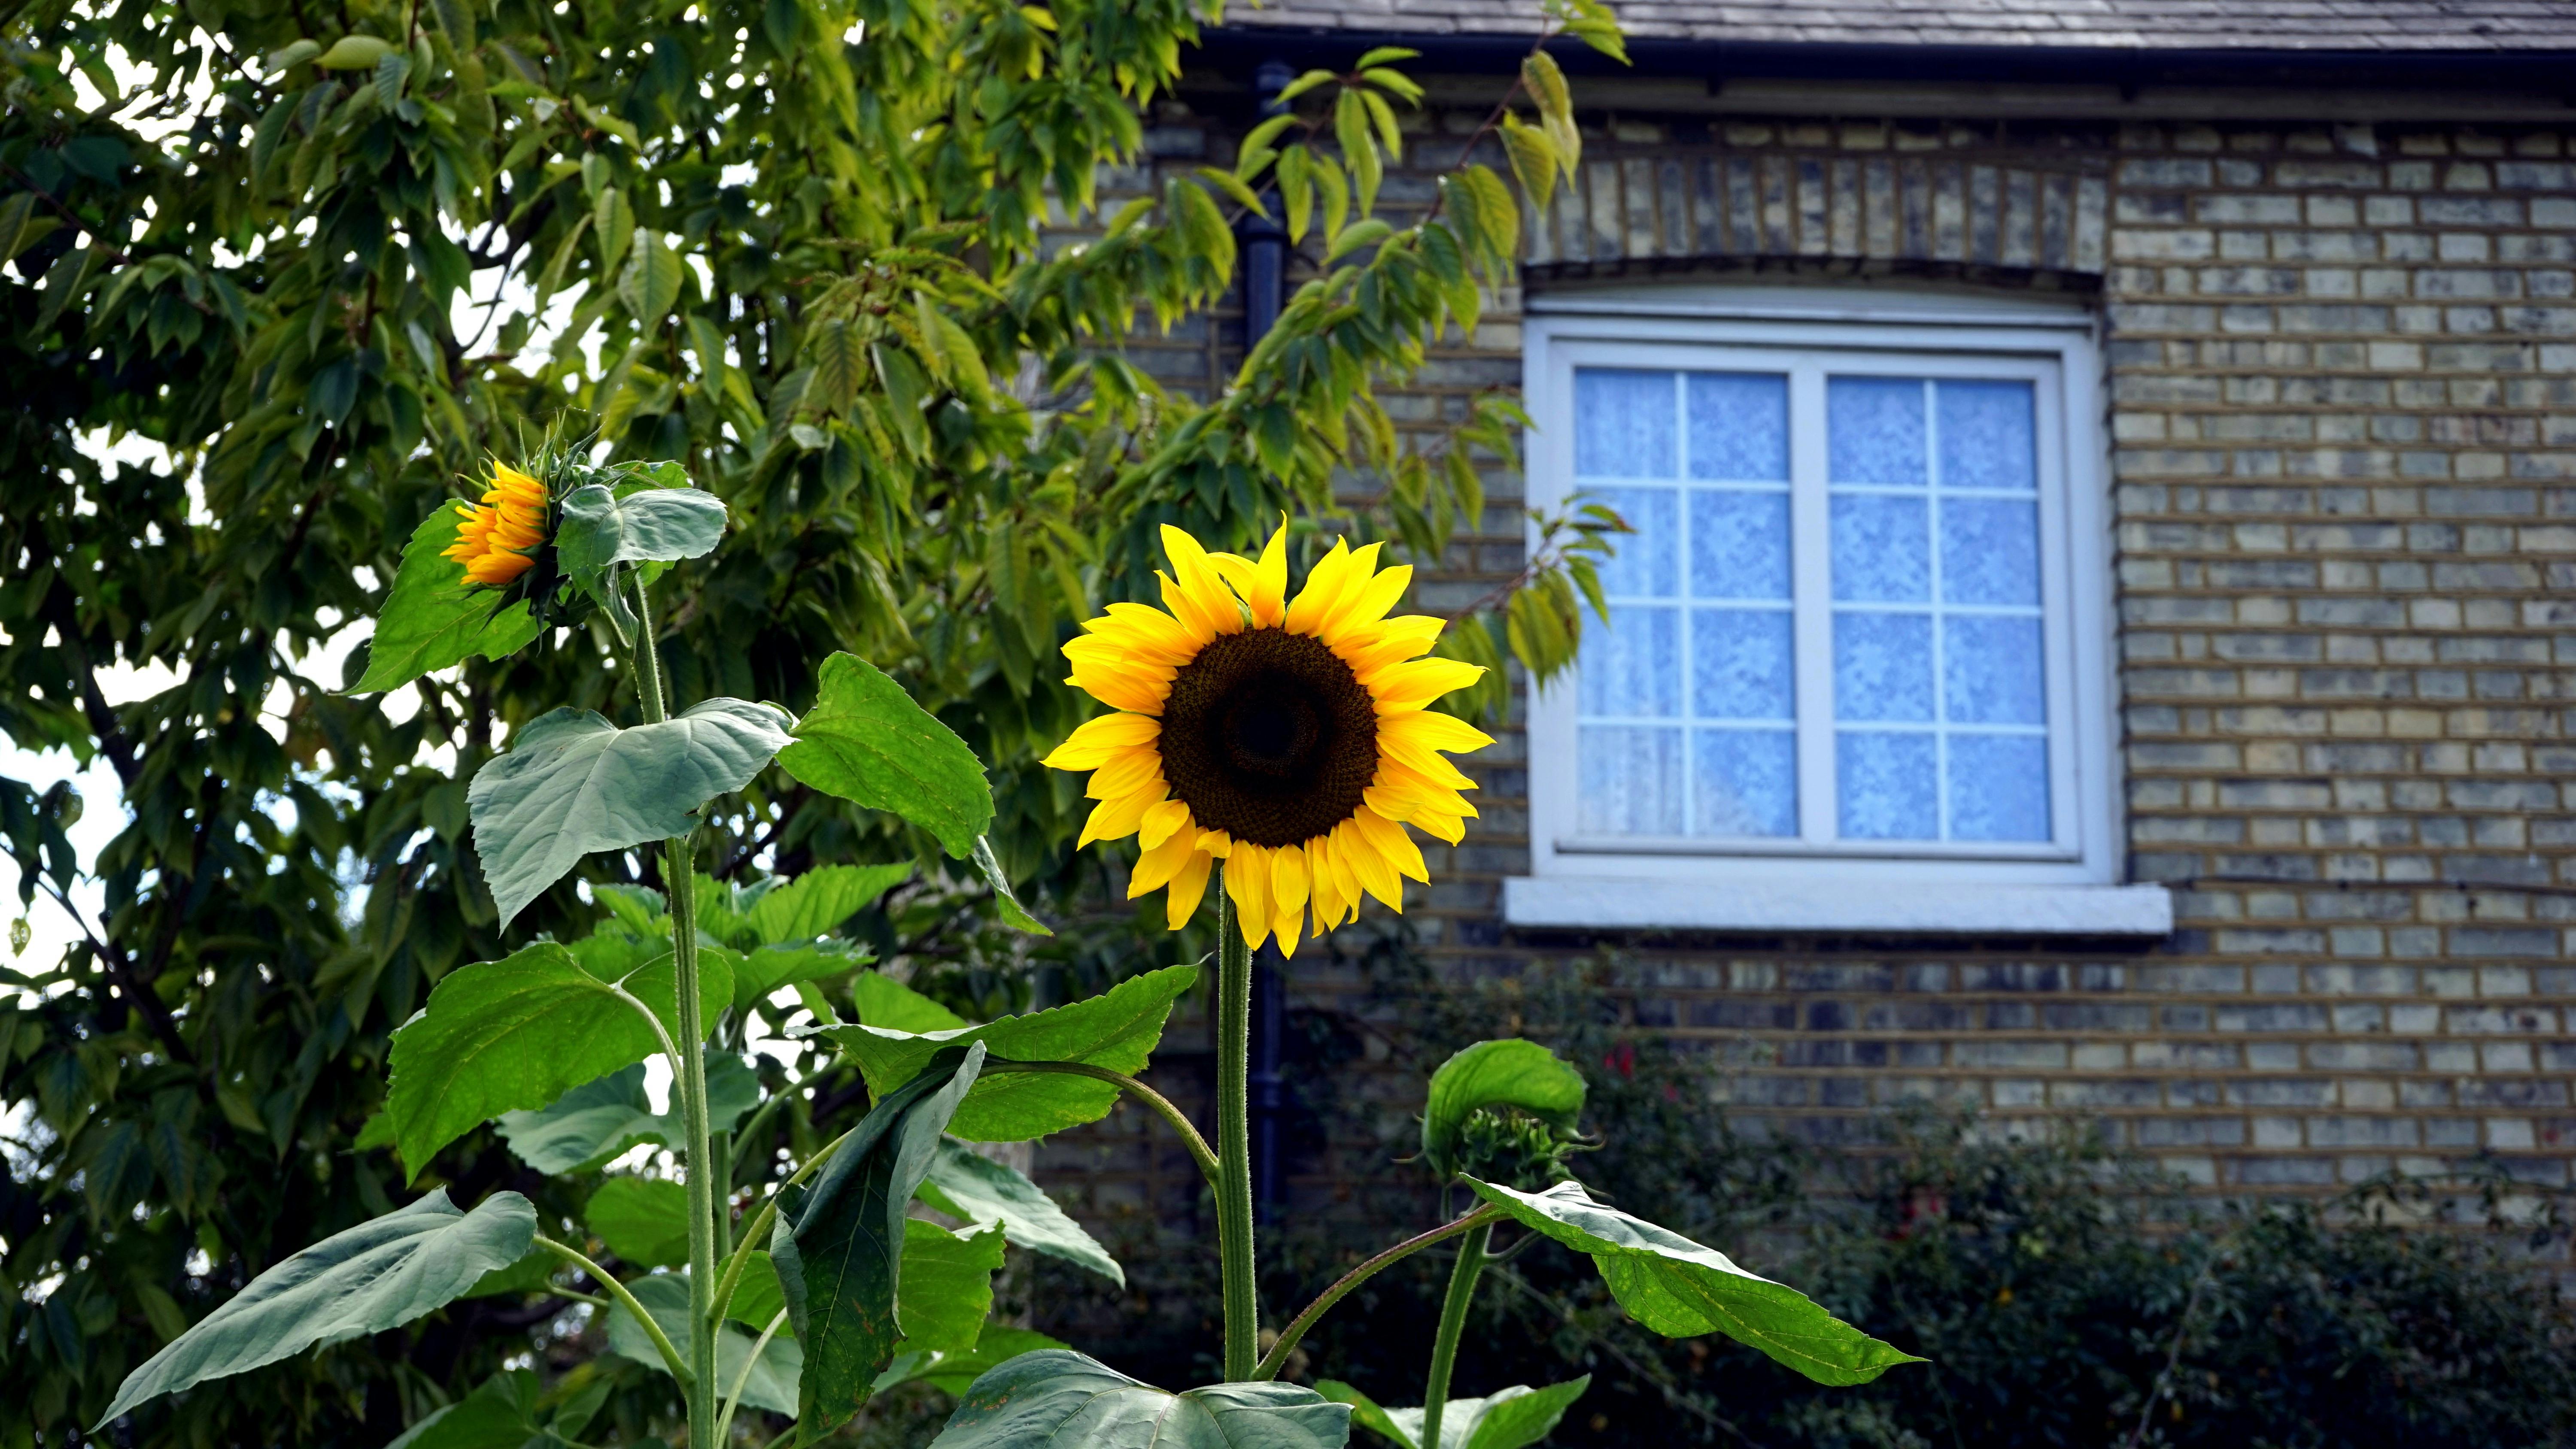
x=1234 y=1139
x=690 y=1080
x=1200 y=1152
x=601 y=1276
x=1453 y=1321
x=1272 y=1361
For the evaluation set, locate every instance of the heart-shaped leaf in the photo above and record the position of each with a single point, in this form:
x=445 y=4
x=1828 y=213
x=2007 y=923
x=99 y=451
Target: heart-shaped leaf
x=1513 y=1073
x=601 y=528
x=839 y=1253
x=520 y=1032
x=946 y=1290
x=882 y=1001
x=1058 y=1399
x=819 y=901
x=378 y=1275
x=1117 y=1029
x=431 y=619
x=774 y=1380
x=952 y=1373
x=1510 y=1418
x=502 y=1414
x=585 y=1127
x=965 y=1184
x=865 y=740
x=643 y=1220
x=1682 y=1290
x=772 y=968
x=573 y=783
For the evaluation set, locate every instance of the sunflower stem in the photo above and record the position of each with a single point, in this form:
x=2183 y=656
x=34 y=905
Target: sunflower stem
x=1453 y=1322
x=1234 y=1139
x=689 y=1073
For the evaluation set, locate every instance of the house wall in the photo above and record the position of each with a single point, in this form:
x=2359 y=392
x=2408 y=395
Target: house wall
x=2342 y=384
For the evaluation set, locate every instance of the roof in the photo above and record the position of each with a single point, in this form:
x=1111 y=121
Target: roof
x=2369 y=27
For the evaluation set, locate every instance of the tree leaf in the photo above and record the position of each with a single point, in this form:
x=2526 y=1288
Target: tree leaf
x=377 y=1275
x=774 y=1380
x=1511 y=1073
x=966 y=1184
x=839 y=1252
x=520 y=1032
x=1533 y=158
x=1012 y=912
x=643 y=1220
x=946 y=1290
x=1511 y=1418
x=883 y=1001
x=817 y=902
x=1682 y=1290
x=650 y=285
x=431 y=619
x=354 y=52
x=1059 y=1399
x=1117 y=1029
x=573 y=783
x=866 y=741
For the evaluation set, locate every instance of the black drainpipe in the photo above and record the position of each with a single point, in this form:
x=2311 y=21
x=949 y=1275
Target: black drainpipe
x=1265 y=256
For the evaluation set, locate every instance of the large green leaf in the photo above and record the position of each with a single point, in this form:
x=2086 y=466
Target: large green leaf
x=865 y=740
x=377 y=1275
x=432 y=620
x=600 y=528
x=952 y=1373
x=1117 y=1029
x=946 y=1290
x=1058 y=1399
x=573 y=783
x=502 y=1414
x=757 y=1298
x=585 y=1127
x=1511 y=1418
x=817 y=902
x=520 y=1032
x=966 y=1184
x=839 y=1252
x=643 y=1220
x=774 y=1379
x=1514 y=1073
x=771 y=968
x=1682 y=1290
x=885 y=1002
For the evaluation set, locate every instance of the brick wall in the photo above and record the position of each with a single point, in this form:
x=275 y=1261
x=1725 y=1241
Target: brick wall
x=2343 y=409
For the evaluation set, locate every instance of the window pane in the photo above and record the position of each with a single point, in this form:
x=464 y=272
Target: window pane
x=1630 y=781
x=1990 y=670
x=1874 y=430
x=1988 y=438
x=1623 y=423
x=1643 y=564
x=1881 y=549
x=1739 y=545
x=1989 y=551
x=1632 y=666
x=1886 y=781
x=1883 y=667
x=1739 y=425
x=1743 y=668
x=1998 y=787
x=1746 y=782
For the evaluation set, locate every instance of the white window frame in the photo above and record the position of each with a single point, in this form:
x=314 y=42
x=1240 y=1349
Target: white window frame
x=2069 y=884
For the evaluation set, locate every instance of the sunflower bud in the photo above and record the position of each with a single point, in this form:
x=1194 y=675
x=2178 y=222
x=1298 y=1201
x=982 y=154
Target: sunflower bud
x=498 y=540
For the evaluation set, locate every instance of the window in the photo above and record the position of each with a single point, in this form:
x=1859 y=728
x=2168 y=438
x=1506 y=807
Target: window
x=1857 y=644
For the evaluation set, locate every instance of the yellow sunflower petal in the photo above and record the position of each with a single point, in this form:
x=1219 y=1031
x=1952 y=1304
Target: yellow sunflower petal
x=1263 y=585
x=1195 y=573
x=1146 y=632
x=1376 y=873
x=1368 y=605
x=1395 y=640
x=1247 y=884
x=1119 y=689
x=1112 y=819
x=1403 y=688
x=1092 y=744
x=1448 y=827
x=1290 y=886
x=1324 y=587
x=1287 y=928
x=1189 y=885
x=1127 y=772
x=1392 y=843
x=1156 y=867
x=1326 y=622
x=1434 y=730
x=1216 y=843
x=1422 y=761
x=1163 y=823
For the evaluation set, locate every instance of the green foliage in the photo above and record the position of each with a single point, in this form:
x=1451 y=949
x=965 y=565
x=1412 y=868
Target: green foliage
x=509 y=1411
x=1061 y=1400
x=840 y=1252
x=967 y=1185
x=518 y=1033
x=867 y=742
x=1513 y=1073
x=574 y=783
x=1116 y=1030
x=375 y=1276
x=643 y=1220
x=598 y=1120
x=773 y=1378
x=945 y=1291
x=431 y=621
x=1511 y=1418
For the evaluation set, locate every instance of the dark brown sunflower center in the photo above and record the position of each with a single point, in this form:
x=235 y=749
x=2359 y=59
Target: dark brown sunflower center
x=1269 y=737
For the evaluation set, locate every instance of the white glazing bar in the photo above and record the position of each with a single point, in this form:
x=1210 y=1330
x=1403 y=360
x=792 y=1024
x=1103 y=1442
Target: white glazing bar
x=1811 y=594
x=1932 y=558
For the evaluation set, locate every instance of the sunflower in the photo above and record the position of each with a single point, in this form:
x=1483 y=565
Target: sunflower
x=496 y=541
x=1288 y=738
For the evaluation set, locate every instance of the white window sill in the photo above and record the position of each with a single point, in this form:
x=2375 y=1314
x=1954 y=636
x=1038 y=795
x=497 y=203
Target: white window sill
x=1826 y=905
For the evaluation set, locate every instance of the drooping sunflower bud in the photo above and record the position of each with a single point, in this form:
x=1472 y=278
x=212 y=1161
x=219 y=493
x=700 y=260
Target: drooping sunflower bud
x=497 y=541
